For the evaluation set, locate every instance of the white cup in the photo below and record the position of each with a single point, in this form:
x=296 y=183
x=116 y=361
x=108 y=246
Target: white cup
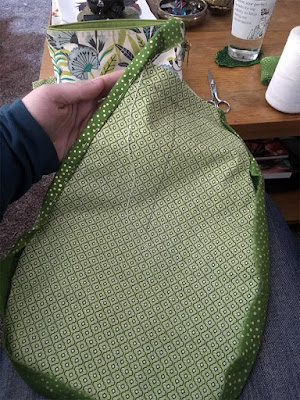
x=283 y=92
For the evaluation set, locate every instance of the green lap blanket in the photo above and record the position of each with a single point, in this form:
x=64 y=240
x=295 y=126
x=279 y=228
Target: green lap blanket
x=146 y=274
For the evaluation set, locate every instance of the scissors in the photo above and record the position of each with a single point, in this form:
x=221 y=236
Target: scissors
x=215 y=101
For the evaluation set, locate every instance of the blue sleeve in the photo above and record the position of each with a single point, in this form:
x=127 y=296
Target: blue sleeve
x=26 y=153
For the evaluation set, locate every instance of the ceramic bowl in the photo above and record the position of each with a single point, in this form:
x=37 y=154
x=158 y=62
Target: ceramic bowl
x=189 y=20
x=219 y=7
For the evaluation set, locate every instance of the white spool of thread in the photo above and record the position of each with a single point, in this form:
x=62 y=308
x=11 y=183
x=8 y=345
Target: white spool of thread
x=283 y=92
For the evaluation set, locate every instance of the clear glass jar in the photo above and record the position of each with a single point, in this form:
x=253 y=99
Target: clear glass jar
x=250 y=20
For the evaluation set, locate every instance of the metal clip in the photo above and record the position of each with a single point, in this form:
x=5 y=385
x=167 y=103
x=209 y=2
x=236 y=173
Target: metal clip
x=187 y=46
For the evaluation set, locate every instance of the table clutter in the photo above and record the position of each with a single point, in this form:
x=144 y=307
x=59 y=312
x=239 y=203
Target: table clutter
x=272 y=157
x=68 y=11
x=181 y=7
x=192 y=13
x=106 y=9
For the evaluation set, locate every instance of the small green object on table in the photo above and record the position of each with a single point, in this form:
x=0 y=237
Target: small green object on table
x=267 y=69
x=224 y=60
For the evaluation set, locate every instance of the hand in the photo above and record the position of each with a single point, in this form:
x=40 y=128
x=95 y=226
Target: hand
x=64 y=110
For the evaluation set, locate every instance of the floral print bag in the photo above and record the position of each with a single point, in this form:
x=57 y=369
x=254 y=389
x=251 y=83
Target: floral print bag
x=86 y=50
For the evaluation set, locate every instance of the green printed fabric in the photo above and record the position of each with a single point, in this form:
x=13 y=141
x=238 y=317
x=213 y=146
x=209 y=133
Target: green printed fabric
x=45 y=81
x=86 y=50
x=146 y=276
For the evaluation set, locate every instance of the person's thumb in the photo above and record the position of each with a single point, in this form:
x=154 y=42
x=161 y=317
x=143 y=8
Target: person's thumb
x=70 y=93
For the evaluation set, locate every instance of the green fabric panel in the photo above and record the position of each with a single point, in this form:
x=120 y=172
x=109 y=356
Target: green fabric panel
x=166 y=38
x=224 y=60
x=108 y=24
x=147 y=273
x=46 y=384
x=267 y=68
x=236 y=375
x=33 y=378
x=42 y=382
x=163 y=208
x=49 y=81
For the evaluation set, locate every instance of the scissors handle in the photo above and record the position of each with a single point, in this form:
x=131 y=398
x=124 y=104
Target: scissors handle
x=223 y=104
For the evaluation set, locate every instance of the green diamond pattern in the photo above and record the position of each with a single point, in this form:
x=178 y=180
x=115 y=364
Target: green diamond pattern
x=144 y=282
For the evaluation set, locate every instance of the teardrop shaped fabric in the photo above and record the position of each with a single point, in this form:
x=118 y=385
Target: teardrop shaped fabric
x=146 y=275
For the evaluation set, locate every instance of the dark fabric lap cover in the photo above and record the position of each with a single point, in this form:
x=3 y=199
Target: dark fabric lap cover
x=146 y=275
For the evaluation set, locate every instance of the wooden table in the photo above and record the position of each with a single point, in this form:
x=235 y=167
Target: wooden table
x=250 y=114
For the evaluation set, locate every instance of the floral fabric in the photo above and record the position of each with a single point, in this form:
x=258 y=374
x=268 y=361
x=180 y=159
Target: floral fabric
x=87 y=54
